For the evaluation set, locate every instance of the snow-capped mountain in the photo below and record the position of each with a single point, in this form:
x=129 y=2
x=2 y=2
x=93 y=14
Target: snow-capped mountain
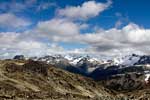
x=97 y=68
x=84 y=65
x=131 y=60
x=75 y=60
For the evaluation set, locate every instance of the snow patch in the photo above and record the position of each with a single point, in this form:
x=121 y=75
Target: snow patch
x=147 y=78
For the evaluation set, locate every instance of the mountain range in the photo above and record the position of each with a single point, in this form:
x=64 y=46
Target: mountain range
x=96 y=68
x=57 y=77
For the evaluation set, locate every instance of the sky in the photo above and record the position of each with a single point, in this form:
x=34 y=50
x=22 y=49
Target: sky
x=90 y=27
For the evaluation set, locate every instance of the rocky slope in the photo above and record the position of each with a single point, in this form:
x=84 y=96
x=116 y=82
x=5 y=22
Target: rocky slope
x=36 y=80
x=27 y=79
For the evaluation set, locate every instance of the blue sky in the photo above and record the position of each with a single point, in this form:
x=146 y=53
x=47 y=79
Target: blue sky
x=135 y=11
x=103 y=27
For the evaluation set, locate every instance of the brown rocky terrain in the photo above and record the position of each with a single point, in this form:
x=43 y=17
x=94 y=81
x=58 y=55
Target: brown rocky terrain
x=36 y=80
x=28 y=80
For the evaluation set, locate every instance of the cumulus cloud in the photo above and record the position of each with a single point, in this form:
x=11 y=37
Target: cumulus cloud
x=114 y=41
x=87 y=10
x=11 y=40
x=9 y=20
x=59 y=29
x=12 y=43
x=130 y=38
x=58 y=26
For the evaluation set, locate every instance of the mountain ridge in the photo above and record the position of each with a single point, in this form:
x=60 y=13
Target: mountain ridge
x=30 y=79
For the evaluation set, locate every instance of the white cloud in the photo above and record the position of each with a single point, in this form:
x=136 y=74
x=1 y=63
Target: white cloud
x=58 y=26
x=10 y=20
x=131 y=38
x=86 y=10
x=13 y=40
x=7 y=38
x=131 y=33
x=59 y=29
x=12 y=43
